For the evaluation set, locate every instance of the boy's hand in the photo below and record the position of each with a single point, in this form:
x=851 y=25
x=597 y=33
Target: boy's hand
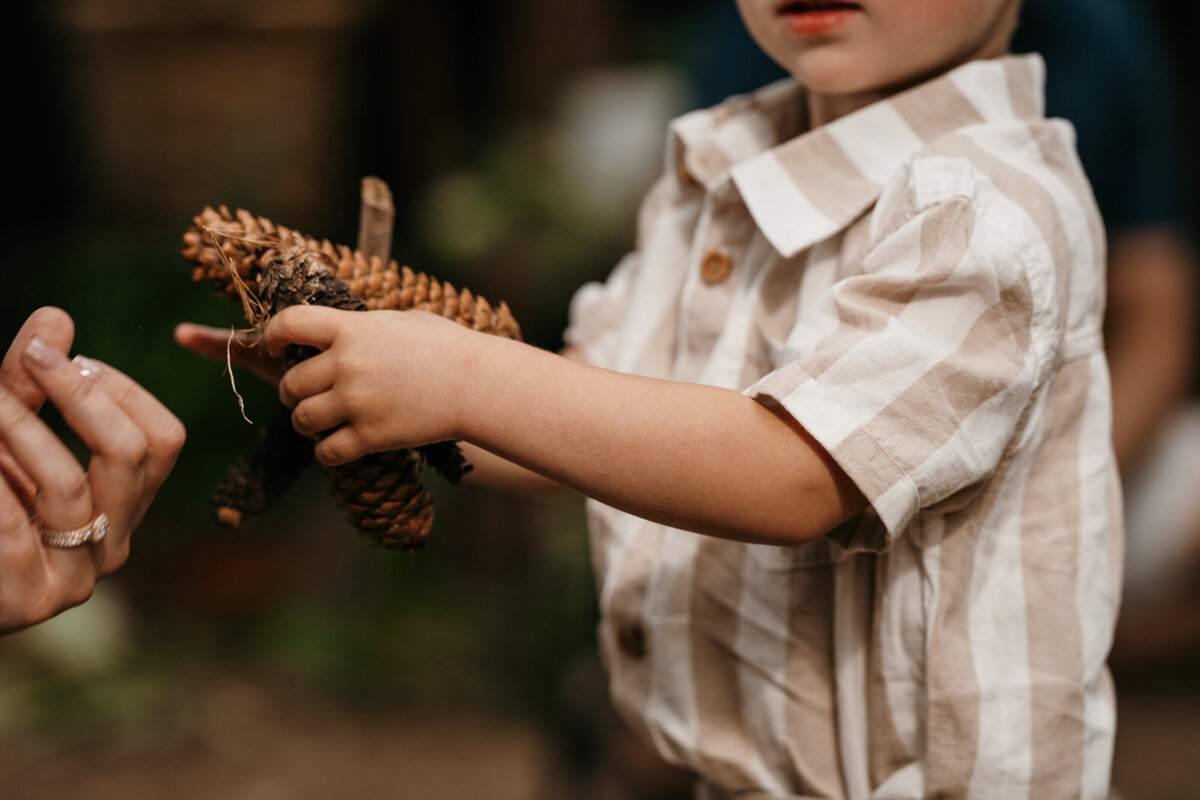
x=386 y=379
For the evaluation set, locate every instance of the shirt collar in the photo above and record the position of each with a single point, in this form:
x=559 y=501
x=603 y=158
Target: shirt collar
x=802 y=187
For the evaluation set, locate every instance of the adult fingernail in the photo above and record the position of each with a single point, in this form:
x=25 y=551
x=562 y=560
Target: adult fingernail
x=87 y=367
x=43 y=354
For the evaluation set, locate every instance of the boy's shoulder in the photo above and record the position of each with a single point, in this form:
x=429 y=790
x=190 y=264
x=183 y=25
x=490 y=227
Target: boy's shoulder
x=1030 y=164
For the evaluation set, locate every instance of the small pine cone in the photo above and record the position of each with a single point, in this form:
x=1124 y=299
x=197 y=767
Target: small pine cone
x=263 y=474
x=382 y=495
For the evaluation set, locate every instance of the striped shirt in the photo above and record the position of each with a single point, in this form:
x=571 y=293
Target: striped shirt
x=920 y=285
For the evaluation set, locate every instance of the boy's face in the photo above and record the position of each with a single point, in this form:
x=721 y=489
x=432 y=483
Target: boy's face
x=871 y=48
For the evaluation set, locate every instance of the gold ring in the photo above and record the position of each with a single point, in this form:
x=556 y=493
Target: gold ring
x=94 y=531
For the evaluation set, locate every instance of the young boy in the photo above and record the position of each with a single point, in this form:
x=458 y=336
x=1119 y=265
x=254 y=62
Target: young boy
x=858 y=350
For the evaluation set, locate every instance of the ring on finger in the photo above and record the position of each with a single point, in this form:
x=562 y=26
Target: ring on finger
x=94 y=531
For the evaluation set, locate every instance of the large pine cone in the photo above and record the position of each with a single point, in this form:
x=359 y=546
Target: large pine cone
x=245 y=239
x=276 y=267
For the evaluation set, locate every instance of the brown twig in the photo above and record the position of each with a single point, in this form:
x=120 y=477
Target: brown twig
x=376 y=217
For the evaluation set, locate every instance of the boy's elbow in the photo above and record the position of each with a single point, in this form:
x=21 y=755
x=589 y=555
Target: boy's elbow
x=816 y=495
x=794 y=515
x=824 y=507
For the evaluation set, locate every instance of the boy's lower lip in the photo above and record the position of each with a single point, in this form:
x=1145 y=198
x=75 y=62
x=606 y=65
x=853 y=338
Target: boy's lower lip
x=815 y=19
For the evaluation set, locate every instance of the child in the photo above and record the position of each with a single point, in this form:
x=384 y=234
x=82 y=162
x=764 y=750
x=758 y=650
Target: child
x=858 y=349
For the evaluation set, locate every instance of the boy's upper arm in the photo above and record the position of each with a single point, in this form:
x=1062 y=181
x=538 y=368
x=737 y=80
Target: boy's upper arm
x=920 y=366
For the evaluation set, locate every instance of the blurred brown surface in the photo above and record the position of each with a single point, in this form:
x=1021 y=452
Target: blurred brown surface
x=180 y=106
x=243 y=740
x=1158 y=731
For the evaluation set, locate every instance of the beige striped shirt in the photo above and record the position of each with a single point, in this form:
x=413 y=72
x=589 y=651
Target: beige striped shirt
x=920 y=285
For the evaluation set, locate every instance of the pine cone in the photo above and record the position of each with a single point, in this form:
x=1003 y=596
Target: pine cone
x=382 y=495
x=276 y=267
x=263 y=474
x=246 y=239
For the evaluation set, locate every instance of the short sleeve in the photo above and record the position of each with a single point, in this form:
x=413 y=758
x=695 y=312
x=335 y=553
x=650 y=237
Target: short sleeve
x=914 y=373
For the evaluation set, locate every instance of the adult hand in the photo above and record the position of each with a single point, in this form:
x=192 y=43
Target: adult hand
x=134 y=441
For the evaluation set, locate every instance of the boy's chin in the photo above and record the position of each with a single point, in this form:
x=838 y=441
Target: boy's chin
x=828 y=71
x=835 y=77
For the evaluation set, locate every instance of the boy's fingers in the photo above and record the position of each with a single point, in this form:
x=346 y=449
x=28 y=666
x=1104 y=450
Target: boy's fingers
x=54 y=327
x=310 y=377
x=213 y=343
x=316 y=414
x=340 y=447
x=314 y=326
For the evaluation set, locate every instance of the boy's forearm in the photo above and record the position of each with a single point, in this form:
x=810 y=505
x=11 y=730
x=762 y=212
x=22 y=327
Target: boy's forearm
x=695 y=457
x=500 y=474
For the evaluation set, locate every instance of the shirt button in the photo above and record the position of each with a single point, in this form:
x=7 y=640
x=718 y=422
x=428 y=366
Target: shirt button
x=716 y=267
x=631 y=639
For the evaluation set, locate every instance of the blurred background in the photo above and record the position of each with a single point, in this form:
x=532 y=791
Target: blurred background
x=292 y=659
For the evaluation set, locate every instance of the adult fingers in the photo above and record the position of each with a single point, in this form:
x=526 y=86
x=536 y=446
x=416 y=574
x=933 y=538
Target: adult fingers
x=119 y=448
x=62 y=498
x=314 y=326
x=165 y=434
x=36 y=582
x=54 y=327
x=309 y=377
x=16 y=476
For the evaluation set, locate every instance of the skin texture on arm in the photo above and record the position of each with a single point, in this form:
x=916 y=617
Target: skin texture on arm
x=1150 y=330
x=494 y=472
x=696 y=457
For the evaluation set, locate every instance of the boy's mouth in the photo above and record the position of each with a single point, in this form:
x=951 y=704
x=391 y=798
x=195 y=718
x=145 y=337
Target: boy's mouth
x=815 y=17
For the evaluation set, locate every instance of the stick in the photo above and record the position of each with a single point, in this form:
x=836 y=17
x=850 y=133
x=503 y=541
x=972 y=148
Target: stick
x=375 y=219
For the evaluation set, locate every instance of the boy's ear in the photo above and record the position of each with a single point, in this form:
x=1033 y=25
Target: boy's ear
x=54 y=327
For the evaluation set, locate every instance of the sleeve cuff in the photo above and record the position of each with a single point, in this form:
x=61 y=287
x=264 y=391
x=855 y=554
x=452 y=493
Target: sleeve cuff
x=893 y=497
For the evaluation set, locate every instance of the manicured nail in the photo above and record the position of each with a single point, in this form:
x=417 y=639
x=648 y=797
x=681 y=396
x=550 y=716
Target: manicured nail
x=88 y=368
x=43 y=354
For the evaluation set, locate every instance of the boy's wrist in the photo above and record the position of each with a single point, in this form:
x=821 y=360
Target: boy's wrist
x=483 y=384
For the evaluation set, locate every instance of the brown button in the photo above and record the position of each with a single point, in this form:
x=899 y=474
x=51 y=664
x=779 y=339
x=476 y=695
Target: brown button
x=631 y=639
x=716 y=267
